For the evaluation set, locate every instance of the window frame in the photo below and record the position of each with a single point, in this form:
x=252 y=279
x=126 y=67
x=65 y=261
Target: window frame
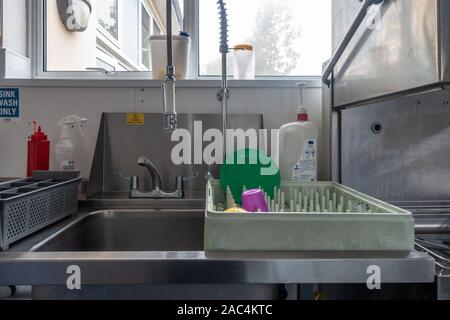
x=106 y=42
x=191 y=24
x=143 y=6
x=39 y=43
x=1 y=23
x=14 y=64
x=106 y=33
x=107 y=59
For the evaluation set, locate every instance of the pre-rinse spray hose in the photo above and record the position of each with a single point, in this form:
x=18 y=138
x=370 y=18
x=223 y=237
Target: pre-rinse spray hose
x=224 y=49
x=169 y=86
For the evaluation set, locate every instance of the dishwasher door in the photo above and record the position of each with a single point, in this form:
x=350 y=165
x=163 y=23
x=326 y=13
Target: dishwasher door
x=402 y=45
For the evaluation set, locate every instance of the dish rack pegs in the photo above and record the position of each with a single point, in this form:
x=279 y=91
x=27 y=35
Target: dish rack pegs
x=230 y=202
x=306 y=199
x=309 y=199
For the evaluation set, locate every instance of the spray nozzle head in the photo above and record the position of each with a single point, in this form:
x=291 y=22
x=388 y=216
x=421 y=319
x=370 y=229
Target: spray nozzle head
x=169 y=102
x=34 y=126
x=302 y=114
x=301 y=85
x=38 y=134
x=37 y=128
x=72 y=121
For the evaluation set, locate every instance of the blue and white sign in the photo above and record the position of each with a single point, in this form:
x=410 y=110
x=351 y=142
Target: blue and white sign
x=9 y=104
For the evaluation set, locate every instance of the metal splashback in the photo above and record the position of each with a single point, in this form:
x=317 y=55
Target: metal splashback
x=408 y=158
x=408 y=51
x=120 y=145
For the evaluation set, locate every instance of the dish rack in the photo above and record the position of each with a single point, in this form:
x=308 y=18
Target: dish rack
x=311 y=216
x=28 y=205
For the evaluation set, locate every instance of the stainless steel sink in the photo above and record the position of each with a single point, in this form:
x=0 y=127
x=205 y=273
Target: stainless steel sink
x=158 y=254
x=128 y=231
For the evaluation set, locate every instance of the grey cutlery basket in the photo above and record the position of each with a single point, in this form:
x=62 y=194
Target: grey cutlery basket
x=29 y=205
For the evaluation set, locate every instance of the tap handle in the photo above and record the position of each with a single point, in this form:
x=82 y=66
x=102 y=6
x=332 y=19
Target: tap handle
x=189 y=179
x=134 y=183
x=182 y=180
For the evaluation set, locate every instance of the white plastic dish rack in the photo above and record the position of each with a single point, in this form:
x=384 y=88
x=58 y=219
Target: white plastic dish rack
x=316 y=216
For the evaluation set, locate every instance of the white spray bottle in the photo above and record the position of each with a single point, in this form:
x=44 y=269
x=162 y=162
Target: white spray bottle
x=298 y=147
x=65 y=148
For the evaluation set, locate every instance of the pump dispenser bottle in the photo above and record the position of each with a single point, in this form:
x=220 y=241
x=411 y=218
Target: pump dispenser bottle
x=298 y=147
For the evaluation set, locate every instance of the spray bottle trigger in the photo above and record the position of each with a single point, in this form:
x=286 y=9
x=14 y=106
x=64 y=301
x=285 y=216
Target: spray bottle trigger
x=80 y=125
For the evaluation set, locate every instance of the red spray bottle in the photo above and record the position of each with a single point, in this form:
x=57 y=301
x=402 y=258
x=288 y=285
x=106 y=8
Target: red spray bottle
x=38 y=151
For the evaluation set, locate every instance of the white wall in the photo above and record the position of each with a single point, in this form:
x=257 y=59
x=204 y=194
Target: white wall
x=48 y=105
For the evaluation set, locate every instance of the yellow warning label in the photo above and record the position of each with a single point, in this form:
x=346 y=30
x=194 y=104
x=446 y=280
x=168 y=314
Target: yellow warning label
x=135 y=119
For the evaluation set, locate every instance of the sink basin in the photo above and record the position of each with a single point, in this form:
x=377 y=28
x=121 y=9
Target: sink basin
x=129 y=233
x=121 y=231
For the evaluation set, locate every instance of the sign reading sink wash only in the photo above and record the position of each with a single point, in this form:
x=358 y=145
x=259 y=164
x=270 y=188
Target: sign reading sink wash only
x=9 y=104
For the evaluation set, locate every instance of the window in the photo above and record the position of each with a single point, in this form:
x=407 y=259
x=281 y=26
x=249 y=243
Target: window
x=14 y=36
x=108 y=17
x=291 y=37
x=15 y=49
x=116 y=39
x=156 y=29
x=146 y=25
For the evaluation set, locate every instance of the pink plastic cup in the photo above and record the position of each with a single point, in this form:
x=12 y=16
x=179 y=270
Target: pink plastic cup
x=254 y=201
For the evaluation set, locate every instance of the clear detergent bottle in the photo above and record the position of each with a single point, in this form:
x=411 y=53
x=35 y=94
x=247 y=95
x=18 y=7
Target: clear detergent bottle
x=298 y=147
x=65 y=148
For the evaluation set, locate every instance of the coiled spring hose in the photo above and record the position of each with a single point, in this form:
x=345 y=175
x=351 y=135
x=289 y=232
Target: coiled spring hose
x=224 y=49
x=223 y=27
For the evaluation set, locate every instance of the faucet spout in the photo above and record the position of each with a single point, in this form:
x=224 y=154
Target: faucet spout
x=157 y=192
x=156 y=176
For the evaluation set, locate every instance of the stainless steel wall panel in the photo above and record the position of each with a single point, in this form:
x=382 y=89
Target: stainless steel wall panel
x=120 y=145
x=409 y=160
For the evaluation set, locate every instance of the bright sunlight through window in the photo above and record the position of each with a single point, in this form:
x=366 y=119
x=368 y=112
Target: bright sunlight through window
x=291 y=37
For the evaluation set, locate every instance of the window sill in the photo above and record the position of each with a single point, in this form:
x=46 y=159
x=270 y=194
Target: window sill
x=312 y=82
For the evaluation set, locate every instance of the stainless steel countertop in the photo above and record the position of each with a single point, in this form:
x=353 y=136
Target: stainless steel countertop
x=214 y=268
x=19 y=267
